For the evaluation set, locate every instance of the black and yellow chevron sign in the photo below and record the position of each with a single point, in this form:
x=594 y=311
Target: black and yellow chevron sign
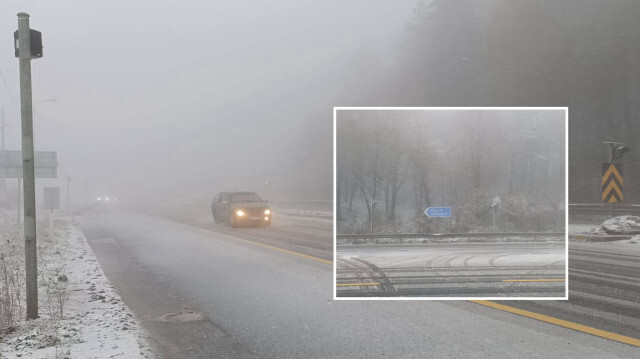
x=612 y=182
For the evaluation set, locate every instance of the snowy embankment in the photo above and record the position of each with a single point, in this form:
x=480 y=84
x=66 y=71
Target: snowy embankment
x=621 y=230
x=81 y=315
x=619 y=225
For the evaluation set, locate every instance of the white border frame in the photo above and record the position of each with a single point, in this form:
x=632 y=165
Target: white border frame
x=566 y=209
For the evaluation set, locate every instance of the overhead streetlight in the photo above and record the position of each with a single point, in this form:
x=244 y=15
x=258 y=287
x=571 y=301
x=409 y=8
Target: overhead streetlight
x=48 y=100
x=616 y=150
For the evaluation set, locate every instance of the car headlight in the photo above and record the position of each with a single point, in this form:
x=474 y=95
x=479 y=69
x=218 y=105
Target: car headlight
x=239 y=213
x=266 y=211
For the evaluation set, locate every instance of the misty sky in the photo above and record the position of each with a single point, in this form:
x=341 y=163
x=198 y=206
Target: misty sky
x=167 y=93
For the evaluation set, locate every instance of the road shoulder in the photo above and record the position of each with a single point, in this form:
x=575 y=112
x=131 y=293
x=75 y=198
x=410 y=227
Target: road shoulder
x=93 y=322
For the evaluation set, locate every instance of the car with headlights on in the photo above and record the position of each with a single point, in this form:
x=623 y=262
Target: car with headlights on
x=107 y=199
x=240 y=209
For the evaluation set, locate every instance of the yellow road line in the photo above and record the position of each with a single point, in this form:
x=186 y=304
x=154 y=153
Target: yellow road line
x=535 y=280
x=355 y=284
x=325 y=261
x=562 y=323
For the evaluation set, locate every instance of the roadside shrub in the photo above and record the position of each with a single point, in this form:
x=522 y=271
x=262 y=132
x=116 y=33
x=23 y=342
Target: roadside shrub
x=11 y=278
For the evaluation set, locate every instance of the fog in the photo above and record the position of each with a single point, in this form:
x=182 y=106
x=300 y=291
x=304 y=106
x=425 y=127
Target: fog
x=186 y=98
x=183 y=99
x=498 y=170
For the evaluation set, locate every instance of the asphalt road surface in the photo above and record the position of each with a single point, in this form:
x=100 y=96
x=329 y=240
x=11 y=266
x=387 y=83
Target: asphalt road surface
x=604 y=289
x=234 y=296
x=480 y=270
x=310 y=236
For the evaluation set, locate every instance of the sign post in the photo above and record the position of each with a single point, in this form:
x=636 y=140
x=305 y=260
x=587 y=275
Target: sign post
x=612 y=174
x=612 y=183
x=45 y=166
x=51 y=197
x=495 y=205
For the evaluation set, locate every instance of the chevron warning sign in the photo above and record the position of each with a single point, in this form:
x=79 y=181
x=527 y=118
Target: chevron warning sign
x=612 y=182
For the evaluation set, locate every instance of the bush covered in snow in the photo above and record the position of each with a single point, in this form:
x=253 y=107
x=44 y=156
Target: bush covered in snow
x=620 y=225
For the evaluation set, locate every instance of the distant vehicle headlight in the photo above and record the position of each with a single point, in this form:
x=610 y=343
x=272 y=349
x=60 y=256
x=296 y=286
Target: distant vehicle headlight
x=99 y=199
x=107 y=198
x=239 y=213
x=266 y=211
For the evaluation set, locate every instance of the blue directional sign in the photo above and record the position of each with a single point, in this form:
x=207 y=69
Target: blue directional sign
x=438 y=212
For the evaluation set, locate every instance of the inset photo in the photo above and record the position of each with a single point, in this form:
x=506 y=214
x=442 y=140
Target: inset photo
x=450 y=203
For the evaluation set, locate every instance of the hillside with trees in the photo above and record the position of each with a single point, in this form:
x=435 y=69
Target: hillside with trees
x=392 y=165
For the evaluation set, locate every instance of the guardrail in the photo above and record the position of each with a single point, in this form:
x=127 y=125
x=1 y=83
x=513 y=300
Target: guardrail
x=318 y=205
x=451 y=235
x=603 y=209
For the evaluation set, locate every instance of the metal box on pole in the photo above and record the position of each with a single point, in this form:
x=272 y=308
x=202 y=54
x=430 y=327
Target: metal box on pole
x=35 y=43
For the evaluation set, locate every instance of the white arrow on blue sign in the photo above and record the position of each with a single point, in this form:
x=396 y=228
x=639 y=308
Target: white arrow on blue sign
x=438 y=212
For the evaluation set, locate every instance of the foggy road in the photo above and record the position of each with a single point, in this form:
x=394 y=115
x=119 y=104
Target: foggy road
x=310 y=236
x=263 y=302
x=604 y=282
x=452 y=270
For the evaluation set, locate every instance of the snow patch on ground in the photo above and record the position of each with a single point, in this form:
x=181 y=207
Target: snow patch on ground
x=95 y=322
x=529 y=259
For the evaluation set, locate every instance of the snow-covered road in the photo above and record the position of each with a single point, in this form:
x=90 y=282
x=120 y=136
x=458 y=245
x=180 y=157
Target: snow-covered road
x=468 y=270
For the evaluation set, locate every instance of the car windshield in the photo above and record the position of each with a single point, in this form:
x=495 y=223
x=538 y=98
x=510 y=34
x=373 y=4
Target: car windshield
x=244 y=197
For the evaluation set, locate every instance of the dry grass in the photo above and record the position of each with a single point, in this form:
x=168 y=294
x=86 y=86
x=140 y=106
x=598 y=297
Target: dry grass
x=12 y=282
x=52 y=279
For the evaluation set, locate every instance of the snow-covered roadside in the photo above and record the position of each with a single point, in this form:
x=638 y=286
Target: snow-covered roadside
x=619 y=232
x=95 y=323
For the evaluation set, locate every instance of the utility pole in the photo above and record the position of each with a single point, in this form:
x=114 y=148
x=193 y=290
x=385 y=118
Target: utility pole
x=610 y=162
x=68 y=205
x=3 y=129
x=19 y=200
x=84 y=165
x=495 y=209
x=2 y=181
x=373 y=204
x=28 y=175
